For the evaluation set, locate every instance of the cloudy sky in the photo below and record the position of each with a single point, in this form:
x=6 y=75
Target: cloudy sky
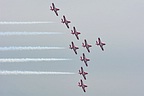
x=117 y=71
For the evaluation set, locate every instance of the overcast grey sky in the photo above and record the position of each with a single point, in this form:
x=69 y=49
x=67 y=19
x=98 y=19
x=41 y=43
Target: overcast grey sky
x=117 y=71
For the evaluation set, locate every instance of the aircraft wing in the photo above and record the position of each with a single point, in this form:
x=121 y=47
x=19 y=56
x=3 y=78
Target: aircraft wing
x=64 y=18
x=83 y=55
x=56 y=13
x=75 y=51
x=84 y=89
x=85 y=42
x=86 y=63
x=82 y=69
x=84 y=77
x=53 y=5
x=99 y=41
x=72 y=44
x=74 y=29
x=77 y=36
x=67 y=25
x=88 y=49
x=102 y=48
x=81 y=82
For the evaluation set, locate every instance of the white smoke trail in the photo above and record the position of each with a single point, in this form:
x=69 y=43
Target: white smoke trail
x=32 y=59
x=29 y=48
x=29 y=33
x=33 y=22
x=33 y=73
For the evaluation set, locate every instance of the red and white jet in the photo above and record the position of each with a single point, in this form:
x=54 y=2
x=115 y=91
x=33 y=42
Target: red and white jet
x=53 y=8
x=74 y=32
x=85 y=44
x=83 y=58
x=100 y=44
x=80 y=84
x=81 y=72
x=65 y=21
x=73 y=47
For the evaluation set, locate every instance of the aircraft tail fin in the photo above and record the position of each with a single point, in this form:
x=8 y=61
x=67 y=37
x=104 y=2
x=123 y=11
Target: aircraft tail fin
x=97 y=43
x=81 y=58
x=83 y=44
x=70 y=46
x=79 y=84
x=51 y=8
x=62 y=21
x=79 y=72
x=72 y=32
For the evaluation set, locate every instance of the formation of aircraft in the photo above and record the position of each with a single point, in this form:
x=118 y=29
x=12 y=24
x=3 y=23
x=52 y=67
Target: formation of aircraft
x=100 y=44
x=64 y=20
x=83 y=58
x=53 y=8
x=85 y=44
x=81 y=84
x=74 y=32
x=72 y=46
x=83 y=73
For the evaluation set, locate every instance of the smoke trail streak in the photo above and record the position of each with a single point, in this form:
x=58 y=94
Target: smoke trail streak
x=33 y=22
x=29 y=48
x=32 y=59
x=33 y=73
x=29 y=33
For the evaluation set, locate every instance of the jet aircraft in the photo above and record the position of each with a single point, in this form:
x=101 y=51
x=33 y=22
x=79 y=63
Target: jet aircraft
x=80 y=84
x=74 y=32
x=64 y=20
x=53 y=8
x=81 y=72
x=73 y=47
x=83 y=58
x=85 y=44
x=100 y=44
